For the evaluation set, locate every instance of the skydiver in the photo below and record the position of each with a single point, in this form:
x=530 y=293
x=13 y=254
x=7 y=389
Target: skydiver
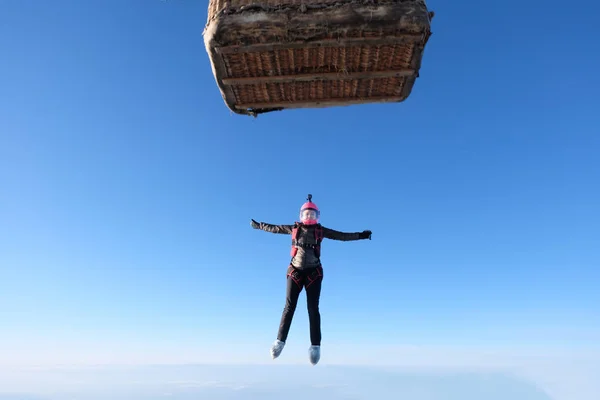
x=305 y=271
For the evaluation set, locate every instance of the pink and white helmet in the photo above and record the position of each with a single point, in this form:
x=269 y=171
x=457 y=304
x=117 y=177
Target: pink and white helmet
x=309 y=212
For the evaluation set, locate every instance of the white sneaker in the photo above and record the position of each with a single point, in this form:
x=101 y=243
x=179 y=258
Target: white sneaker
x=314 y=354
x=276 y=348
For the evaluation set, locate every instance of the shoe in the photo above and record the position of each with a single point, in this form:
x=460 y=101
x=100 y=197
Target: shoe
x=314 y=354
x=276 y=348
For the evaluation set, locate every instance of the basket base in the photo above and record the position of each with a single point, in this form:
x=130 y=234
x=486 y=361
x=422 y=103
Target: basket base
x=349 y=54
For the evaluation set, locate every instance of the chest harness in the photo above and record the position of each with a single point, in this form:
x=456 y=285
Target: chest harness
x=318 y=237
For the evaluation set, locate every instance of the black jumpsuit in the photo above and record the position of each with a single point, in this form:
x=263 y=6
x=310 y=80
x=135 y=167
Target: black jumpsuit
x=305 y=271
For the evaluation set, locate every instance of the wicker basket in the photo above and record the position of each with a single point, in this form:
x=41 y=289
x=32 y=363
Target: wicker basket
x=269 y=55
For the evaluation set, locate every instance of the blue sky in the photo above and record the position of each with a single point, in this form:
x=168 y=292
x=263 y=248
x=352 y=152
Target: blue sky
x=127 y=189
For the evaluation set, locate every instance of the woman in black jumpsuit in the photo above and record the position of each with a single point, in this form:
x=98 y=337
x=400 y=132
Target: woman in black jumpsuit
x=305 y=271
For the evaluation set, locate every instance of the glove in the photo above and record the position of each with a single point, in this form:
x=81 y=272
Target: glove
x=255 y=224
x=365 y=235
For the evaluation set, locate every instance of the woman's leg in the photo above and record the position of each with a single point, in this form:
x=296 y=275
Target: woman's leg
x=313 y=283
x=293 y=289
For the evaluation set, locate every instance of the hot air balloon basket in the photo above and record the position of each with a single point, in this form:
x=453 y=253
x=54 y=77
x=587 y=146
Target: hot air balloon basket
x=269 y=55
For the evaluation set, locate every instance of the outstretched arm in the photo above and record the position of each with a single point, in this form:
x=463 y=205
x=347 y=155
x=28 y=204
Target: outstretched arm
x=283 y=229
x=345 y=236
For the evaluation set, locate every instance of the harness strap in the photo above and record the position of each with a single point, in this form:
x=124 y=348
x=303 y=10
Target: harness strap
x=318 y=236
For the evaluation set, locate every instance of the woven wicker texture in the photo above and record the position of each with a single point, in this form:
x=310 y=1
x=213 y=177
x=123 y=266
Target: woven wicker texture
x=273 y=65
x=343 y=60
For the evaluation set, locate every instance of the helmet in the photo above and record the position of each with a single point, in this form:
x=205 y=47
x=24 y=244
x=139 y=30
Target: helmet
x=309 y=212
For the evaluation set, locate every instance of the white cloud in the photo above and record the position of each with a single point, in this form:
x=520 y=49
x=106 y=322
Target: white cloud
x=563 y=374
